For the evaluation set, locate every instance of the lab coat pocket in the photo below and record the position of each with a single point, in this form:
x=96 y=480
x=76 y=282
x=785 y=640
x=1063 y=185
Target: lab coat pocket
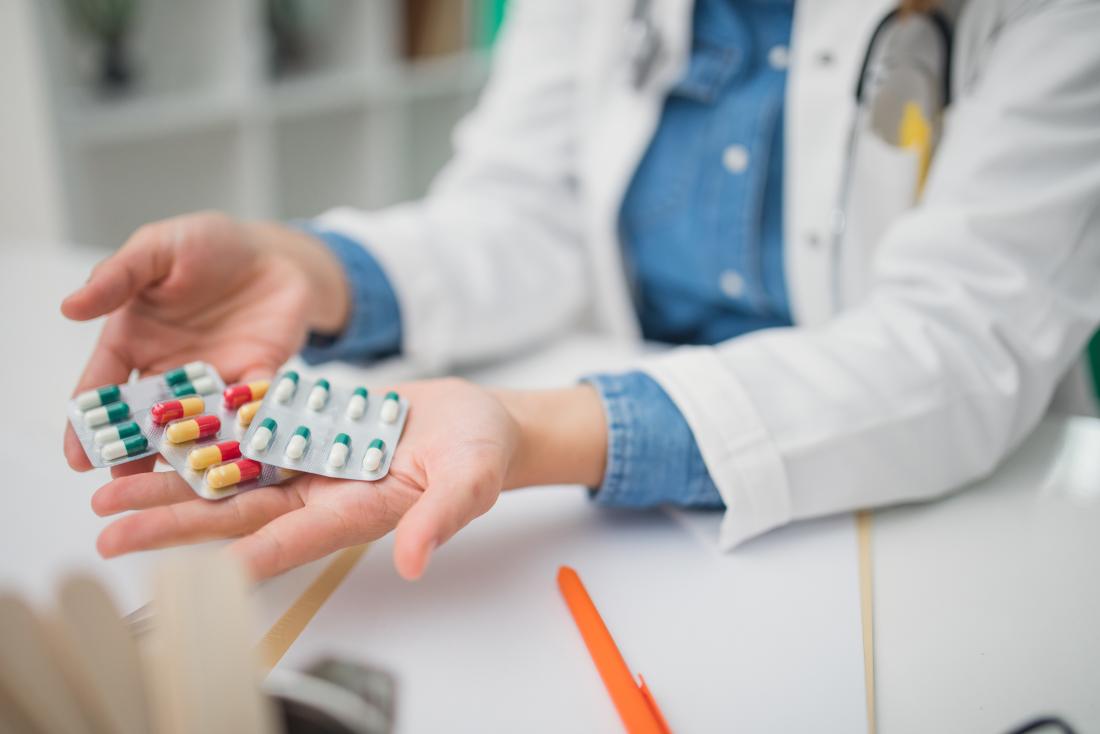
x=883 y=186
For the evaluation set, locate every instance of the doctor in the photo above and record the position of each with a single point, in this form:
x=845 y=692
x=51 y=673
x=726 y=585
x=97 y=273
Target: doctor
x=876 y=294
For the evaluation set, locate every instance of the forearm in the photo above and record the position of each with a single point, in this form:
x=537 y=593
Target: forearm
x=562 y=436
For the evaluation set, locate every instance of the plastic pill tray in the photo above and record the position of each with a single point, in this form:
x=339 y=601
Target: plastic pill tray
x=131 y=401
x=324 y=415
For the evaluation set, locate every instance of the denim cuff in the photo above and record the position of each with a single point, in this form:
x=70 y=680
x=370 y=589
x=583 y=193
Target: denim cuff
x=373 y=330
x=652 y=457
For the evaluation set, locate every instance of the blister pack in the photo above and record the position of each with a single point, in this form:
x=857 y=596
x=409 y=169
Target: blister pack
x=105 y=419
x=200 y=438
x=320 y=428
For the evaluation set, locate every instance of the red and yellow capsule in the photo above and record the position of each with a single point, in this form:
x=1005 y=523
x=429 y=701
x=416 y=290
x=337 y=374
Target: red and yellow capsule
x=170 y=410
x=227 y=475
x=206 y=456
x=201 y=427
x=237 y=395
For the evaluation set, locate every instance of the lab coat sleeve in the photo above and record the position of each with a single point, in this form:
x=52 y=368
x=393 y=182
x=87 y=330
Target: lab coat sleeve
x=490 y=260
x=983 y=297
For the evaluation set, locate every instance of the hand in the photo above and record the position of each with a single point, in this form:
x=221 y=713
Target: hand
x=462 y=445
x=239 y=295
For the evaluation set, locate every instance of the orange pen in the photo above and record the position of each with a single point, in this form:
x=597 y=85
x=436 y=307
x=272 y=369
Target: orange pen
x=635 y=703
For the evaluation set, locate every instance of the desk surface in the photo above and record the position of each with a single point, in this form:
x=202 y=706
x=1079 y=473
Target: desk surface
x=985 y=603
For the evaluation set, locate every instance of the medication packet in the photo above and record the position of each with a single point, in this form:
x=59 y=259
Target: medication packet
x=105 y=418
x=200 y=436
x=322 y=428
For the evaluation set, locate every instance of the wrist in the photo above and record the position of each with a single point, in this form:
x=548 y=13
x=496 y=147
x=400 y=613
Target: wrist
x=562 y=436
x=330 y=299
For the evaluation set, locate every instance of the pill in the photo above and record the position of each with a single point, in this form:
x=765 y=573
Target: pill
x=170 y=410
x=261 y=439
x=391 y=406
x=288 y=383
x=206 y=456
x=189 y=371
x=226 y=475
x=110 y=413
x=357 y=406
x=126 y=447
x=248 y=412
x=338 y=455
x=375 y=452
x=296 y=446
x=198 y=386
x=237 y=395
x=115 y=433
x=318 y=396
x=200 y=427
x=99 y=396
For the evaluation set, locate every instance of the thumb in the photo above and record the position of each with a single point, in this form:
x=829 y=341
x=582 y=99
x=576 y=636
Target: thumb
x=443 y=510
x=145 y=259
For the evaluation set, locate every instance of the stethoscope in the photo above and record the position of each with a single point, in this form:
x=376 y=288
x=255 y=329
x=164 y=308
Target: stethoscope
x=889 y=50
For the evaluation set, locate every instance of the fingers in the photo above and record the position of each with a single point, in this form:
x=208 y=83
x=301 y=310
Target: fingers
x=143 y=260
x=193 y=520
x=293 y=539
x=140 y=491
x=441 y=511
x=74 y=452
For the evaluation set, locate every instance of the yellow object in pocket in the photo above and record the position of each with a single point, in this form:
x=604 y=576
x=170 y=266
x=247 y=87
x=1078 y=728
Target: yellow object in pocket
x=915 y=133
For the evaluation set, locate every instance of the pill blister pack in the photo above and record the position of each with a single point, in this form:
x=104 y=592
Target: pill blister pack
x=105 y=419
x=321 y=428
x=200 y=438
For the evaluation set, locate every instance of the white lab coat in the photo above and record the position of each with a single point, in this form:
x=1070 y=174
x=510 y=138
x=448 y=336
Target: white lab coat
x=974 y=305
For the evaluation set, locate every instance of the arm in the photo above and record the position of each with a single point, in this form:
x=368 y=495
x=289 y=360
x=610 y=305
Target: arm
x=496 y=242
x=984 y=295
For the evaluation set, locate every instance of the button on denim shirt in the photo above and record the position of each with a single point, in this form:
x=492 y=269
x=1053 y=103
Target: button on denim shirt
x=701 y=229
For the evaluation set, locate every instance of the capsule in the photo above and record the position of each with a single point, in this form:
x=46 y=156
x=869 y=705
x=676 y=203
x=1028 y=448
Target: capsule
x=200 y=427
x=261 y=439
x=115 y=433
x=357 y=406
x=375 y=453
x=206 y=456
x=296 y=446
x=318 y=396
x=110 y=413
x=391 y=407
x=180 y=375
x=226 y=475
x=237 y=395
x=199 y=386
x=170 y=410
x=288 y=383
x=247 y=412
x=338 y=454
x=131 y=446
x=99 y=396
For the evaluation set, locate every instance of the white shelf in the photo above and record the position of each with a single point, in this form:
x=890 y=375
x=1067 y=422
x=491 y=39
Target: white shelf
x=140 y=119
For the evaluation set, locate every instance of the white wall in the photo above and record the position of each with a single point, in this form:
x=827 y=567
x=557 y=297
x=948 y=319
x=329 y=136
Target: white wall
x=30 y=207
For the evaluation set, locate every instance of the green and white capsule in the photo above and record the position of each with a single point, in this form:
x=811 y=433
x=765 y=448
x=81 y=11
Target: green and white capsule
x=375 y=453
x=112 y=413
x=287 y=386
x=357 y=405
x=131 y=446
x=338 y=454
x=296 y=446
x=110 y=434
x=391 y=408
x=100 y=396
x=261 y=439
x=186 y=373
x=318 y=396
x=199 y=386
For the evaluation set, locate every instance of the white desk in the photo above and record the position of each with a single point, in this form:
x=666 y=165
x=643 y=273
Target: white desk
x=986 y=604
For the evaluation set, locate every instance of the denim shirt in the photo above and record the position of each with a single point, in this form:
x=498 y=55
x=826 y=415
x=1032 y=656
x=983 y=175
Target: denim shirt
x=701 y=230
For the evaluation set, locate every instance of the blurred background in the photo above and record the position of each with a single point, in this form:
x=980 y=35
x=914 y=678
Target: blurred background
x=118 y=112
